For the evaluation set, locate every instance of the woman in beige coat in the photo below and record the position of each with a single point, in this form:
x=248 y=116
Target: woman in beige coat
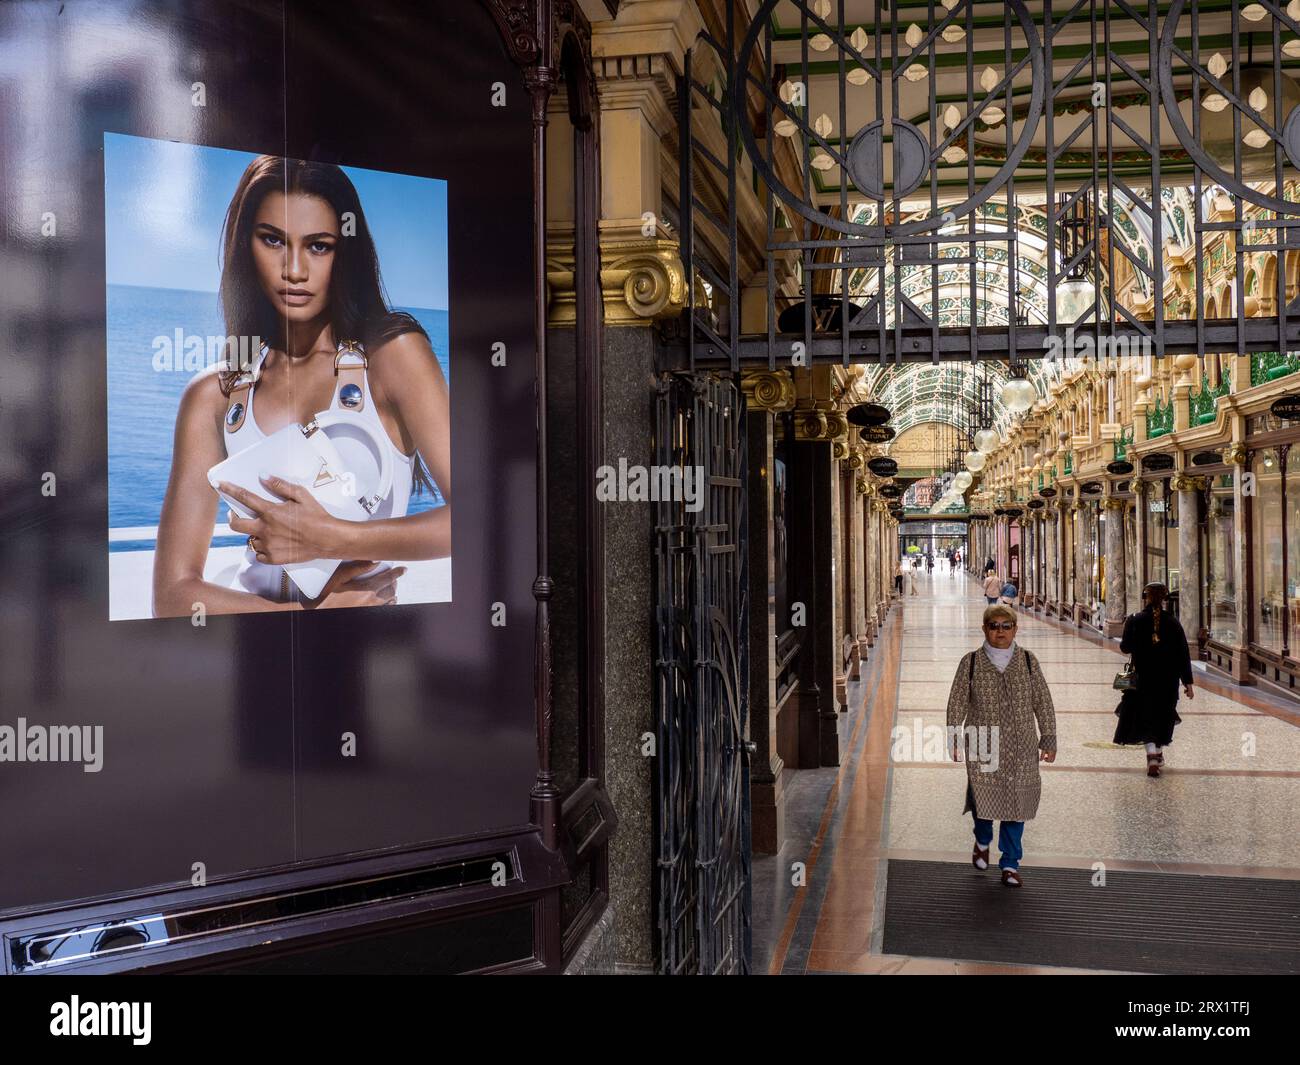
x=1001 y=706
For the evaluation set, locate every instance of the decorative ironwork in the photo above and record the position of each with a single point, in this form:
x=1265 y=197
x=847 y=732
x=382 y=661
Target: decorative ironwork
x=1123 y=442
x=906 y=213
x=1160 y=418
x=1268 y=366
x=702 y=680
x=1205 y=402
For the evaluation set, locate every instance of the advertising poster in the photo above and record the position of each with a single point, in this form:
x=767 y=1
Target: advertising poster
x=234 y=280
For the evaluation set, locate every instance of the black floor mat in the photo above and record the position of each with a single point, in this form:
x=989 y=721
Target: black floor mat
x=1138 y=922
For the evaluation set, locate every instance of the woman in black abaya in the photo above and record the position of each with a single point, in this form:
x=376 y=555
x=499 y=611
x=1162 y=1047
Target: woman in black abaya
x=1161 y=660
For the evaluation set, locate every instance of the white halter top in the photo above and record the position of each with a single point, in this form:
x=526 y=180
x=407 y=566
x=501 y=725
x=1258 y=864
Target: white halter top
x=241 y=431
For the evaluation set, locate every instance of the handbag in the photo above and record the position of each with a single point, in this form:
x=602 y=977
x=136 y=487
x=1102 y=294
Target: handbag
x=339 y=461
x=1126 y=680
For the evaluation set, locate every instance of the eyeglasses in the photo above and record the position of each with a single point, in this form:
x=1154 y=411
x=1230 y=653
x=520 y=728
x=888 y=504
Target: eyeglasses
x=1000 y=626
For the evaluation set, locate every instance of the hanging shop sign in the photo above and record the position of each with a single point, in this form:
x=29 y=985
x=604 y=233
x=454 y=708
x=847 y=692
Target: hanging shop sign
x=878 y=434
x=1036 y=504
x=1287 y=407
x=891 y=491
x=883 y=466
x=1013 y=512
x=1092 y=488
x=1206 y=458
x=1158 y=462
x=998 y=512
x=1119 y=468
x=1123 y=486
x=868 y=414
x=1048 y=492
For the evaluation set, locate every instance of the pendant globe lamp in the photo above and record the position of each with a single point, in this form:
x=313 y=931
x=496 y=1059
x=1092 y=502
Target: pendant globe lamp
x=987 y=440
x=975 y=461
x=1019 y=394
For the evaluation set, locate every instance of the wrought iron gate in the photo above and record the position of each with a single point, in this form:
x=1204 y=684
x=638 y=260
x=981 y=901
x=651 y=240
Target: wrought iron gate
x=702 y=676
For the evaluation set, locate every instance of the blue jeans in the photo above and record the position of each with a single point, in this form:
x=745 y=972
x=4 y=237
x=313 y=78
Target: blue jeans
x=1009 y=849
x=992 y=599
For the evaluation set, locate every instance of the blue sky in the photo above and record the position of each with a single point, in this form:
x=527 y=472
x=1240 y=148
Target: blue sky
x=164 y=205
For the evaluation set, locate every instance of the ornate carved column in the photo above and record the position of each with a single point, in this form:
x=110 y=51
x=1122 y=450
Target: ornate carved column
x=766 y=396
x=1189 y=555
x=1140 y=517
x=854 y=606
x=1116 y=585
x=883 y=579
x=1080 y=535
x=868 y=600
x=1061 y=586
x=1238 y=458
x=862 y=563
x=637 y=59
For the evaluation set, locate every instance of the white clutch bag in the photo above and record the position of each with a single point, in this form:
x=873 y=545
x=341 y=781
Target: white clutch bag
x=307 y=455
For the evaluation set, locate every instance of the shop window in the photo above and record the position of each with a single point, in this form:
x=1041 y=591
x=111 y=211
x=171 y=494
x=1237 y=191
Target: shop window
x=1266 y=546
x=1221 y=574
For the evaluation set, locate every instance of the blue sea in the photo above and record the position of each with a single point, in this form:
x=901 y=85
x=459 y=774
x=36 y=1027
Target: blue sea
x=142 y=402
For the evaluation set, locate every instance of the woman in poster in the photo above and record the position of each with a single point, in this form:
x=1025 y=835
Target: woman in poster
x=299 y=268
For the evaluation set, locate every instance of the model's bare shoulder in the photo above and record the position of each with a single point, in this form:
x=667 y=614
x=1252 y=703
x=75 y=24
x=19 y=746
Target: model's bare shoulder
x=397 y=359
x=203 y=396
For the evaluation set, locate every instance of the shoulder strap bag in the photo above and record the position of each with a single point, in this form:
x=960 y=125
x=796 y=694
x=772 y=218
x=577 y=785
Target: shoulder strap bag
x=1126 y=680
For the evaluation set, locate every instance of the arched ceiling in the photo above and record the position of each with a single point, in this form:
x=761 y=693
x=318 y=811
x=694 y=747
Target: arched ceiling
x=917 y=393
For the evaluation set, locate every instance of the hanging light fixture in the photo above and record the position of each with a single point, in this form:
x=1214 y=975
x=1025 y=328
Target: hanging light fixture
x=987 y=440
x=1075 y=292
x=975 y=461
x=1019 y=394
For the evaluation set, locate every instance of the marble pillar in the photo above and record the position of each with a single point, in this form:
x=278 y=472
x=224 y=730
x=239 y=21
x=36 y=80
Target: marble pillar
x=1189 y=557
x=856 y=605
x=824 y=619
x=1116 y=582
x=1236 y=456
x=839 y=556
x=1140 y=518
x=1060 y=591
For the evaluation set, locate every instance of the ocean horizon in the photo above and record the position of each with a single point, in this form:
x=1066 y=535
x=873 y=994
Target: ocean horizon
x=143 y=401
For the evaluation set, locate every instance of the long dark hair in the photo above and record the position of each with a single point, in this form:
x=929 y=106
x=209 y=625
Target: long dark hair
x=358 y=304
x=1156 y=594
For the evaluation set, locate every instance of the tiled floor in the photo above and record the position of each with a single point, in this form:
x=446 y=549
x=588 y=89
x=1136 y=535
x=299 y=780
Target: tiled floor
x=1225 y=803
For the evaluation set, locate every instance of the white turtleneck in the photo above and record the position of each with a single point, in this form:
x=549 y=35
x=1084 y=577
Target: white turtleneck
x=1000 y=658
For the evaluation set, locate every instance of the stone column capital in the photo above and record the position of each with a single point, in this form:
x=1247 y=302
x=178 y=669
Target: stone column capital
x=767 y=391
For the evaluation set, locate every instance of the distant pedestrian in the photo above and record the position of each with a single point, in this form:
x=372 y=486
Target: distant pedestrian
x=1161 y=658
x=992 y=586
x=899 y=574
x=929 y=562
x=1000 y=712
x=1010 y=592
